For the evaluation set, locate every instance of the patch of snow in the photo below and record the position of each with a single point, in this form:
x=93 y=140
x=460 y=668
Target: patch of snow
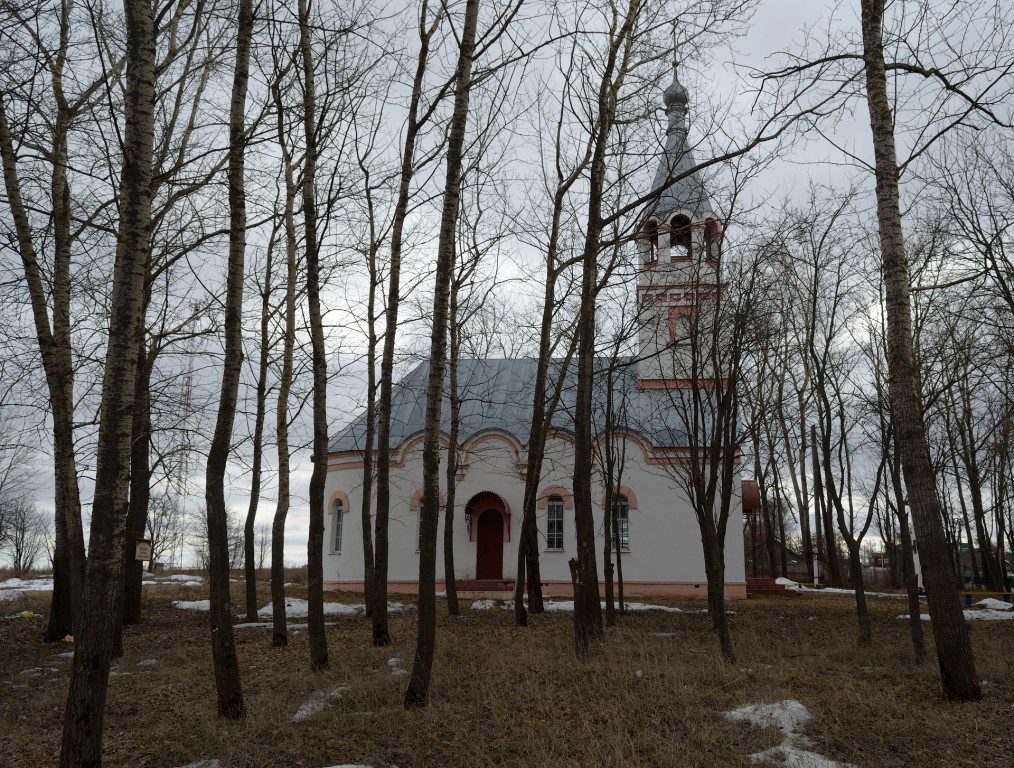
x=650 y=607
x=395 y=665
x=296 y=608
x=559 y=606
x=789 y=717
x=993 y=604
x=147 y=662
x=193 y=605
x=316 y=704
x=16 y=586
x=795 y=586
x=982 y=614
x=483 y=605
x=65 y=655
x=308 y=710
x=187 y=581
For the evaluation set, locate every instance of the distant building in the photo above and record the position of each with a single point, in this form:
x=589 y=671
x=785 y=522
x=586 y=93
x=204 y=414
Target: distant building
x=679 y=248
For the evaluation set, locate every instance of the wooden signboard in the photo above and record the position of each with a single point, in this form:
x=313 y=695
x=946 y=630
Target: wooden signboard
x=142 y=549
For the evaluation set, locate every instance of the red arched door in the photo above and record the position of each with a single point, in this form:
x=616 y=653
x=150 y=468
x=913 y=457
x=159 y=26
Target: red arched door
x=489 y=545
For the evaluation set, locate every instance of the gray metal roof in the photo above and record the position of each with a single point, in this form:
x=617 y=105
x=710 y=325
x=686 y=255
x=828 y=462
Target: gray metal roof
x=687 y=193
x=498 y=395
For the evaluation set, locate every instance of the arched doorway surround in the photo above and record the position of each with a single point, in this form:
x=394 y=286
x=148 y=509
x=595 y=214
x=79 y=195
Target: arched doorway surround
x=489 y=527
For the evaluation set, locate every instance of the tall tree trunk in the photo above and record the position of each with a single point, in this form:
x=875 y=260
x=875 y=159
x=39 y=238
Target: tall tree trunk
x=451 y=482
x=417 y=694
x=585 y=571
x=315 y=544
x=381 y=628
x=862 y=612
x=371 y=408
x=223 y=648
x=279 y=632
x=140 y=493
x=249 y=534
x=714 y=567
x=103 y=593
x=56 y=352
x=954 y=650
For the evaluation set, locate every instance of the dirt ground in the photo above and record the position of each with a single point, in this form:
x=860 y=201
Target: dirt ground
x=652 y=694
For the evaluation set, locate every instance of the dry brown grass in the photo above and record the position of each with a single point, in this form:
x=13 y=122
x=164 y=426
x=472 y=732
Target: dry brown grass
x=507 y=696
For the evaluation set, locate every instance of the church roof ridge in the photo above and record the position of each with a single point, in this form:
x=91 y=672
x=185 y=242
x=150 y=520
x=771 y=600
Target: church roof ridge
x=498 y=394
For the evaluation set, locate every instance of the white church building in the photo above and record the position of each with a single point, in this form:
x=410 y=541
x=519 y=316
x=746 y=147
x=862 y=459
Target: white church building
x=679 y=249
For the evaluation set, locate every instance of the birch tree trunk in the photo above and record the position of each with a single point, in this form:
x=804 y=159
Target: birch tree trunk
x=249 y=534
x=584 y=570
x=103 y=592
x=381 y=630
x=954 y=650
x=315 y=543
x=279 y=632
x=223 y=648
x=54 y=340
x=417 y=694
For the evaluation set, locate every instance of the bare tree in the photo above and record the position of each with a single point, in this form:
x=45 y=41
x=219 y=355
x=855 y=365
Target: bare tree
x=260 y=414
x=418 y=690
x=164 y=528
x=226 y=663
x=49 y=279
x=419 y=114
x=315 y=543
x=943 y=84
x=82 y=735
x=24 y=533
x=954 y=651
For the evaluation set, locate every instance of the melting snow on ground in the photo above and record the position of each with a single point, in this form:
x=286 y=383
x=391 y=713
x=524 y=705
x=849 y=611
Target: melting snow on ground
x=294 y=608
x=316 y=704
x=11 y=589
x=791 y=585
x=193 y=605
x=563 y=606
x=988 y=609
x=789 y=716
x=396 y=668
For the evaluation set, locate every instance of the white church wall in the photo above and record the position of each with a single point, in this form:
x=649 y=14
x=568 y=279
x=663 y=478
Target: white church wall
x=664 y=552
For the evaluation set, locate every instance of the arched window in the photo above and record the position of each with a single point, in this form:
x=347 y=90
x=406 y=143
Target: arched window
x=339 y=520
x=620 y=519
x=651 y=231
x=680 y=325
x=554 y=523
x=682 y=330
x=680 y=238
x=712 y=240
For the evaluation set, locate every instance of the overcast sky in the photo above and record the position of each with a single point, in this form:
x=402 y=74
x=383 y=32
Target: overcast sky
x=777 y=26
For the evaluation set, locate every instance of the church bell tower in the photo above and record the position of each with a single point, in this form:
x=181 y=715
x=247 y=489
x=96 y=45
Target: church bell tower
x=679 y=246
